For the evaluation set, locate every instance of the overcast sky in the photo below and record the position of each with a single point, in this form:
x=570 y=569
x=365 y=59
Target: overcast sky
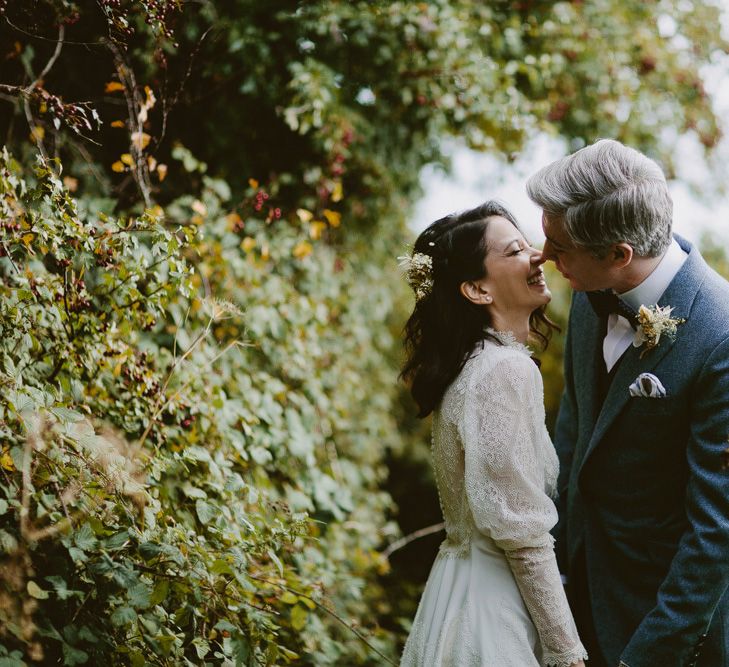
x=477 y=177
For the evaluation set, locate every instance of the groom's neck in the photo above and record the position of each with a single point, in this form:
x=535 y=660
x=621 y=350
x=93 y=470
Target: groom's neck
x=635 y=273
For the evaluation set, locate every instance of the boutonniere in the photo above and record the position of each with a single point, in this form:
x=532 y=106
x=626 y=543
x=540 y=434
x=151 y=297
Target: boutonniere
x=654 y=322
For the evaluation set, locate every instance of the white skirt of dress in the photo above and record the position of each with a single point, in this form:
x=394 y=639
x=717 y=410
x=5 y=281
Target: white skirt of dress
x=472 y=614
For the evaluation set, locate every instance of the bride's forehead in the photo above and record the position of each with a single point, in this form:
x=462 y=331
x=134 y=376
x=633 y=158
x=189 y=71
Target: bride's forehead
x=501 y=229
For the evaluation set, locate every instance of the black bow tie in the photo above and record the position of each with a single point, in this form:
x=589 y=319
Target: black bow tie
x=605 y=302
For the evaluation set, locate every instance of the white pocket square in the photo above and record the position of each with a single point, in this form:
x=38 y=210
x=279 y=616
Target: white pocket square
x=648 y=386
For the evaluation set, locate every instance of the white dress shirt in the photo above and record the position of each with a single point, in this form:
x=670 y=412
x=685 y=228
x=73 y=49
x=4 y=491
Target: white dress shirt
x=620 y=334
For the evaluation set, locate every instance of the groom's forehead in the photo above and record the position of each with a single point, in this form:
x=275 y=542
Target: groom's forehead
x=553 y=224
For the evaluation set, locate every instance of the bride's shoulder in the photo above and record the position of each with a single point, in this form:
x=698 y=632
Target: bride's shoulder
x=498 y=356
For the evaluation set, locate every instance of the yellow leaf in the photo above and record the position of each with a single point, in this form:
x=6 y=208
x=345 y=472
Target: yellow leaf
x=298 y=617
x=304 y=215
x=34 y=590
x=248 y=244
x=113 y=87
x=303 y=249
x=118 y=167
x=117 y=369
x=338 y=192
x=151 y=99
x=253 y=183
x=151 y=163
x=118 y=123
x=126 y=158
x=140 y=140
x=235 y=223
x=308 y=602
x=333 y=218
x=6 y=461
x=161 y=171
x=289 y=598
x=316 y=229
x=265 y=252
x=157 y=211
x=37 y=133
x=28 y=239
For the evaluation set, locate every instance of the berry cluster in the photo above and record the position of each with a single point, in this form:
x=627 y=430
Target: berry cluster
x=261 y=196
x=159 y=14
x=138 y=373
x=105 y=257
x=79 y=117
x=10 y=226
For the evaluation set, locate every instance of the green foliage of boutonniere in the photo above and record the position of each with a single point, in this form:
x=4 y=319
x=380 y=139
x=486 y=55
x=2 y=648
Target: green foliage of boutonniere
x=654 y=322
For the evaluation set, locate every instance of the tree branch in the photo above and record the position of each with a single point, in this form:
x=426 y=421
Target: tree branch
x=51 y=62
x=403 y=541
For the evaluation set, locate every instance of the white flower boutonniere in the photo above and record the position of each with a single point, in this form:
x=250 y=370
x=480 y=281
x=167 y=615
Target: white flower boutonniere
x=654 y=322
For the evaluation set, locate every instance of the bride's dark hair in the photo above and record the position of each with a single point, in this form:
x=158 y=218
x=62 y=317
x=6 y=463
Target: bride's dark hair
x=445 y=327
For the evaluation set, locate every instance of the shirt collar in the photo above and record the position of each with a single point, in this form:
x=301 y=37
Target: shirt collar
x=652 y=288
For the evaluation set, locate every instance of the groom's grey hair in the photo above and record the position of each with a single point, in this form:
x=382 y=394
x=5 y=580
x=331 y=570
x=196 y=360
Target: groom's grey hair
x=607 y=193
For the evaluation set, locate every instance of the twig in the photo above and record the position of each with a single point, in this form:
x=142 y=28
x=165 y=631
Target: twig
x=334 y=614
x=48 y=39
x=165 y=108
x=10 y=259
x=51 y=62
x=423 y=532
x=140 y=170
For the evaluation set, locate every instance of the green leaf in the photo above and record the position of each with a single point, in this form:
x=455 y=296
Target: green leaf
x=161 y=588
x=61 y=587
x=84 y=538
x=205 y=511
x=123 y=616
x=140 y=596
x=67 y=415
x=74 y=656
x=202 y=647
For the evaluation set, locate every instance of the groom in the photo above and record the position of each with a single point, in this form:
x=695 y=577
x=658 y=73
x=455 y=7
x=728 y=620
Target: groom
x=643 y=536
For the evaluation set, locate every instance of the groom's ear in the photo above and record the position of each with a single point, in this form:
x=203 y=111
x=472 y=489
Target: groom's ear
x=621 y=255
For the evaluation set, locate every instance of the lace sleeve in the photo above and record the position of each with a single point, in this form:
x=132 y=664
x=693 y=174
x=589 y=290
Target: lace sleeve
x=505 y=484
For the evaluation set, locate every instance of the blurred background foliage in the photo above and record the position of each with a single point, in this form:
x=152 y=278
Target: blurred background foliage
x=206 y=457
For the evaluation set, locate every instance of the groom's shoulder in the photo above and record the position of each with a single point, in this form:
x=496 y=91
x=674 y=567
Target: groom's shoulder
x=712 y=299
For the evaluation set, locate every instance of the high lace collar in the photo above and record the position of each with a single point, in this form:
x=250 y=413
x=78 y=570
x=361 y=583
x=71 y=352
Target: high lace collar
x=508 y=339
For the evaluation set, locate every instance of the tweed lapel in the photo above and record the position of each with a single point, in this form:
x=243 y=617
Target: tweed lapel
x=680 y=294
x=587 y=355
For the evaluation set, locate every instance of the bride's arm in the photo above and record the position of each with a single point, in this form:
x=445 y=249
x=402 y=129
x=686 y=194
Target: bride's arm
x=505 y=488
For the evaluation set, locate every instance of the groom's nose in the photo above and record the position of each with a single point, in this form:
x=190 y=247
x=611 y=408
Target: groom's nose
x=548 y=251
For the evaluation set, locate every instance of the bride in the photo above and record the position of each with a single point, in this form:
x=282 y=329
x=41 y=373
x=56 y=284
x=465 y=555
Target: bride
x=494 y=597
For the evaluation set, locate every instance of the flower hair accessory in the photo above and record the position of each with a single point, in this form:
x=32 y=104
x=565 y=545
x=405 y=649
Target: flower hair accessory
x=654 y=322
x=418 y=272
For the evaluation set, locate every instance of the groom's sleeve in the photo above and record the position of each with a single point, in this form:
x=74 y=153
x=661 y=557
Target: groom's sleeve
x=565 y=437
x=671 y=634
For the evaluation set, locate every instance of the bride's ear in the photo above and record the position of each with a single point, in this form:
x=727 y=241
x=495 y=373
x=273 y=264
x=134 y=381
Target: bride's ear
x=475 y=293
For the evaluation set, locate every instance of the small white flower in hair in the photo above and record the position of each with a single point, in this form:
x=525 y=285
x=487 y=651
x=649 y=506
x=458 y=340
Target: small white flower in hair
x=418 y=272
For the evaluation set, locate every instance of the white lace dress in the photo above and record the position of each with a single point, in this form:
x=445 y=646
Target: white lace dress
x=494 y=597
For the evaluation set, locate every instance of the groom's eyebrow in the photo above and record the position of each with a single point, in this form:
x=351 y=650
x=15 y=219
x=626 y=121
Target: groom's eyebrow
x=554 y=242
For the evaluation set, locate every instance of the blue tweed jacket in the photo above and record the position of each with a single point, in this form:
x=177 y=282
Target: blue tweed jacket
x=644 y=487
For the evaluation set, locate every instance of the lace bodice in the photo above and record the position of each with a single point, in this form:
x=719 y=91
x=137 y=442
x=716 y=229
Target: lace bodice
x=496 y=470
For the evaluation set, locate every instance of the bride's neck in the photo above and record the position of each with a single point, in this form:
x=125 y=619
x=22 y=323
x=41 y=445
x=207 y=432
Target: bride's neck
x=517 y=324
